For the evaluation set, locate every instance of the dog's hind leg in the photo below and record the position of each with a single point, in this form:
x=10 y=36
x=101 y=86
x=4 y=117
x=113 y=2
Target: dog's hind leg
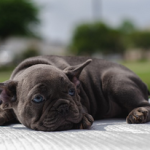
x=131 y=94
x=139 y=115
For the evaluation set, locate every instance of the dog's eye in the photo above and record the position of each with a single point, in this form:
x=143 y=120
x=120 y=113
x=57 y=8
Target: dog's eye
x=38 y=99
x=71 y=92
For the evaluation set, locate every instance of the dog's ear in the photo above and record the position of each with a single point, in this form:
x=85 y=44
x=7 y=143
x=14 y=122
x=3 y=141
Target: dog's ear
x=73 y=72
x=7 y=94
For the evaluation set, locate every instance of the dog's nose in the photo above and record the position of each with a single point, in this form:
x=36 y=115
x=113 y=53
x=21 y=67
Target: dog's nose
x=63 y=109
x=62 y=106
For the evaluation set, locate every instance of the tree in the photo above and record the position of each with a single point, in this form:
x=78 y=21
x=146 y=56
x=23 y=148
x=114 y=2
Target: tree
x=141 y=39
x=16 y=17
x=127 y=27
x=97 y=37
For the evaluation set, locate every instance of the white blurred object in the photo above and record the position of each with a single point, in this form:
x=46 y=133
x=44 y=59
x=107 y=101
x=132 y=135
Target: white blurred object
x=16 y=45
x=5 y=57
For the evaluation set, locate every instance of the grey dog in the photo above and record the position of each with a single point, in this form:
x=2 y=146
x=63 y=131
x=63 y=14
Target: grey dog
x=51 y=93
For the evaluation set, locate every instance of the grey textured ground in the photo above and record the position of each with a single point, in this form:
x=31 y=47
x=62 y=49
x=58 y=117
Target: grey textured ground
x=112 y=134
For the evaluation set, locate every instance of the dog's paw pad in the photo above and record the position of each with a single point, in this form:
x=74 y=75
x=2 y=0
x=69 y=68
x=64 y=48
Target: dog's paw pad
x=86 y=122
x=138 y=115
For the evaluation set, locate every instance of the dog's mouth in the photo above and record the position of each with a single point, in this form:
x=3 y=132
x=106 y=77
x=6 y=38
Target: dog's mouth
x=65 y=126
x=63 y=116
x=58 y=124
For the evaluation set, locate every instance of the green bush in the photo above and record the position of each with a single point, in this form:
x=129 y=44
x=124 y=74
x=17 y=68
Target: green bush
x=30 y=52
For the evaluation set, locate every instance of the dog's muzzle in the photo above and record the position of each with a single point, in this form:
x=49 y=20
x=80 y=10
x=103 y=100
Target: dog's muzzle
x=62 y=107
x=61 y=116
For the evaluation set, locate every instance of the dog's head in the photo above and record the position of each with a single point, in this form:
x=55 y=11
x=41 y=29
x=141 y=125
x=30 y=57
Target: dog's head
x=44 y=97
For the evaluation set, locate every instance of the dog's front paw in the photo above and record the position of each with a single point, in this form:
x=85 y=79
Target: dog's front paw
x=86 y=121
x=138 y=115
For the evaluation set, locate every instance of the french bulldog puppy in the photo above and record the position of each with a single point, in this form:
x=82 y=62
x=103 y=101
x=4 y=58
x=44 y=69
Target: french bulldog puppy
x=49 y=93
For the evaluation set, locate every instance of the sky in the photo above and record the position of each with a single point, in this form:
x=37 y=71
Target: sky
x=60 y=17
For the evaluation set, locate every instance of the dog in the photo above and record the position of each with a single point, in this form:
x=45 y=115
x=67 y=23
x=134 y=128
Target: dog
x=50 y=93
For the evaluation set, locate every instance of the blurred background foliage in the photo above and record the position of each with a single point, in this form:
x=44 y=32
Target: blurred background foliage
x=17 y=18
x=30 y=52
x=126 y=43
x=98 y=37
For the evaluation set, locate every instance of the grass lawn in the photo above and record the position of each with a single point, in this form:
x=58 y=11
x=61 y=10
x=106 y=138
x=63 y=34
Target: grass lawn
x=142 y=69
x=4 y=75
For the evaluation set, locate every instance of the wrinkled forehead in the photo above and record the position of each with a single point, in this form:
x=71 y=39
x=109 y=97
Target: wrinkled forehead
x=44 y=74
